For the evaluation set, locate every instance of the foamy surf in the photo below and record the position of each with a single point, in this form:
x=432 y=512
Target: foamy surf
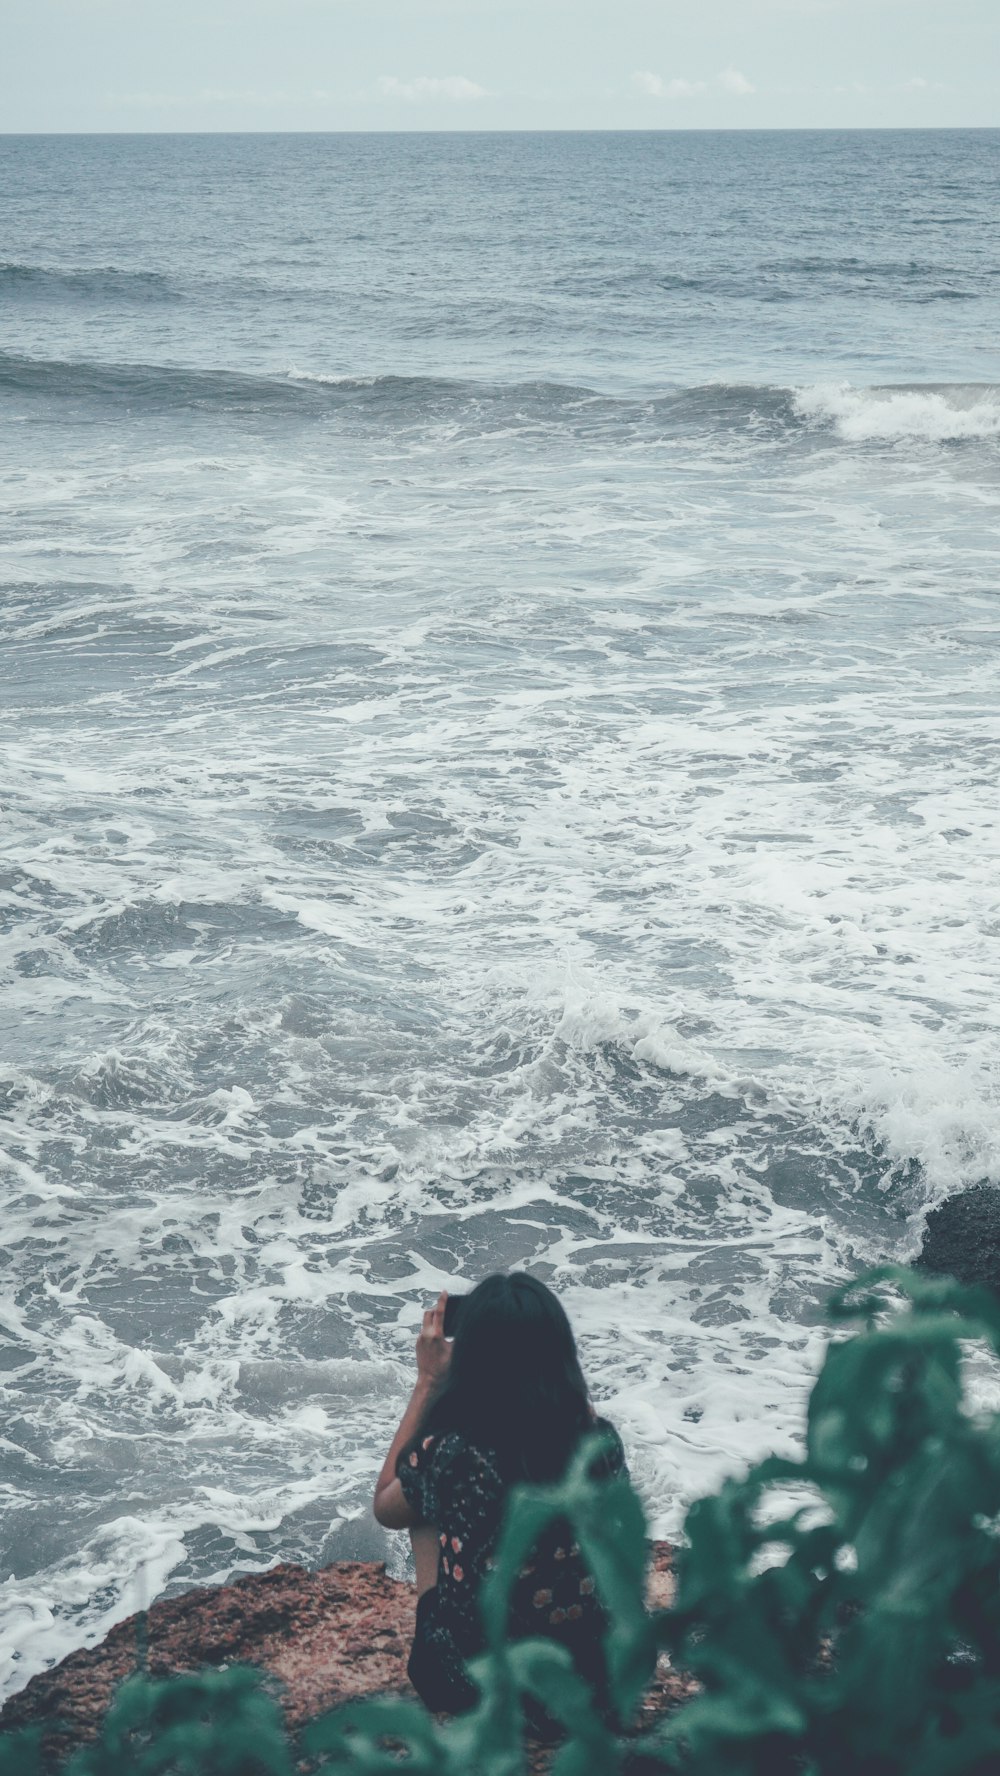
x=901 y=415
x=517 y=788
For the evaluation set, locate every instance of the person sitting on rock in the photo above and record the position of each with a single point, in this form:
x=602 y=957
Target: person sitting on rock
x=501 y=1403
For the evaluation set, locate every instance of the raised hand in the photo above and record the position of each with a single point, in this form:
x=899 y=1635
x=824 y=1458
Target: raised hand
x=433 y=1348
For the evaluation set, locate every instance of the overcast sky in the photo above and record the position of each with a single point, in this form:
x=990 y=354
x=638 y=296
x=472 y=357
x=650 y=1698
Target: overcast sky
x=497 y=64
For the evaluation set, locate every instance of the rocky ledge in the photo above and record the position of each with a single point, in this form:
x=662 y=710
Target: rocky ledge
x=323 y=1638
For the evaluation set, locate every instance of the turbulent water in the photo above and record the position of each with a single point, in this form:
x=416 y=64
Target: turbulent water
x=500 y=707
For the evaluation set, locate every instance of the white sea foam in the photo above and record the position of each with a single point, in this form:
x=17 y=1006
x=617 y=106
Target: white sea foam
x=929 y=415
x=294 y=374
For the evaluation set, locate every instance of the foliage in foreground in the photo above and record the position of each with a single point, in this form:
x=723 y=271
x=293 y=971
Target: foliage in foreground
x=841 y=1612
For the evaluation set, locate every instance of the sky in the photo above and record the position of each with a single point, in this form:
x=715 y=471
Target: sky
x=110 y=65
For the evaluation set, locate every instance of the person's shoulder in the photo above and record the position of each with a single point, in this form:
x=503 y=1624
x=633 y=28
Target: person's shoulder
x=455 y=1446
x=429 y=1465
x=463 y=1462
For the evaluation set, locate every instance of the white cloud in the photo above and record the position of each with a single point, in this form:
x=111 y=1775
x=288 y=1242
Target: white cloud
x=449 y=86
x=655 y=87
x=735 y=82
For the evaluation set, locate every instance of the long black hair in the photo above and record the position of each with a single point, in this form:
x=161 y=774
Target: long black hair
x=514 y=1384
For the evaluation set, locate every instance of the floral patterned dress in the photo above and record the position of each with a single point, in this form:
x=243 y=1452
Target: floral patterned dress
x=457 y=1487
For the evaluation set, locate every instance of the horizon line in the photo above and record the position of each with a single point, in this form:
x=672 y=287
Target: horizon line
x=774 y=129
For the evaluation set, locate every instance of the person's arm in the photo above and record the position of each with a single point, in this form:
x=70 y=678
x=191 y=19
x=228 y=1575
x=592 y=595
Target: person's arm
x=391 y=1508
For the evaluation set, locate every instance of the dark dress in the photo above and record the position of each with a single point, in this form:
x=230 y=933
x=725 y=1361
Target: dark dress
x=457 y=1487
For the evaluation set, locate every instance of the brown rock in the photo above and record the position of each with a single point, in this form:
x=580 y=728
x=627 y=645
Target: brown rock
x=324 y=1638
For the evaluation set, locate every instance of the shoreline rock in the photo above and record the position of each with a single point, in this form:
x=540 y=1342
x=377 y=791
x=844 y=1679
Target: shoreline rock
x=323 y=1638
x=962 y=1237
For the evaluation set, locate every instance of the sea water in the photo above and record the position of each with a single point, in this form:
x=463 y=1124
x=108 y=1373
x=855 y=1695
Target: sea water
x=500 y=709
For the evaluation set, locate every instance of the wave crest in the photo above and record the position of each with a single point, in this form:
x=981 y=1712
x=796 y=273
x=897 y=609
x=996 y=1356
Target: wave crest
x=937 y=415
x=94 y=283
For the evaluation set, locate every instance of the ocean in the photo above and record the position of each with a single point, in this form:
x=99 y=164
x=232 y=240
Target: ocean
x=500 y=703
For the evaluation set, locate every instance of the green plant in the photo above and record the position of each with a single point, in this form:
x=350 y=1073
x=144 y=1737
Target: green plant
x=841 y=1612
x=859 y=1632
x=206 y=1723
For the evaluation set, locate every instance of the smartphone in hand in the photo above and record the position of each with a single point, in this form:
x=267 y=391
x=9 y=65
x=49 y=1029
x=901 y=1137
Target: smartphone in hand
x=452 y=1314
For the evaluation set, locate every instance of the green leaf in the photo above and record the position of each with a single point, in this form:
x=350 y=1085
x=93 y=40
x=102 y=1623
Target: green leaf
x=20 y=1754
x=354 y=1735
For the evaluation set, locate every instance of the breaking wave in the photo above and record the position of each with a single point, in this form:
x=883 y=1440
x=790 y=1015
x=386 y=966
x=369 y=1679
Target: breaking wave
x=935 y=415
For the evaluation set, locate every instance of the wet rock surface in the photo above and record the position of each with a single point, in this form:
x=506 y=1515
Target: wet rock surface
x=322 y=1638
x=962 y=1237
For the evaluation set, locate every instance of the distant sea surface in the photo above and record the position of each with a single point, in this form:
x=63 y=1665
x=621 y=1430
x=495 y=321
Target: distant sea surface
x=500 y=702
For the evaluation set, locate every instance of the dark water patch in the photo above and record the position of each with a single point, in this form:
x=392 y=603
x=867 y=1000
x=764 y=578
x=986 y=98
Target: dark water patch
x=472 y=1246
x=42 y=1533
x=35 y=964
x=154 y=927
x=317 y=1334
x=31 y=892
x=132 y=389
x=950 y=294
x=147 y=927
x=271 y=1384
x=158 y=1304
x=97 y=284
x=124 y=1082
